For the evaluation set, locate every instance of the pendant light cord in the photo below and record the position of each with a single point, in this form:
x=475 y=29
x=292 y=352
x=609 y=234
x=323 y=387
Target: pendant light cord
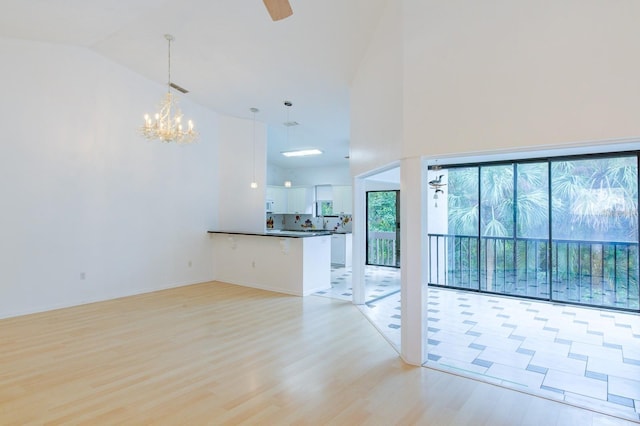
x=254 y=183
x=254 y=144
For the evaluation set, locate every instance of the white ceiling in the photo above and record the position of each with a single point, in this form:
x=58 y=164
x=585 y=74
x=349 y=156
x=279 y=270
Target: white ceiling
x=229 y=55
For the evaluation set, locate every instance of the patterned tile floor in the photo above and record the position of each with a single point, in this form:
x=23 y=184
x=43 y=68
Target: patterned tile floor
x=380 y=282
x=583 y=356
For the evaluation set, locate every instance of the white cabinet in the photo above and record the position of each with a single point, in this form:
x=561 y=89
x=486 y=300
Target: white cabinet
x=341 y=249
x=342 y=199
x=296 y=200
x=277 y=198
x=300 y=200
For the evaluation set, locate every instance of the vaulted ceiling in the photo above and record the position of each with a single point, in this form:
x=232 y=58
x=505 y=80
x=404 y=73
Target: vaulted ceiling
x=229 y=54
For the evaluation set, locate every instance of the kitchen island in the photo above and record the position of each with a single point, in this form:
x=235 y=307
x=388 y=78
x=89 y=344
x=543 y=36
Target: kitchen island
x=291 y=262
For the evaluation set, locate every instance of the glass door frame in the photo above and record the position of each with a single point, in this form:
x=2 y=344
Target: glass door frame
x=552 y=257
x=396 y=253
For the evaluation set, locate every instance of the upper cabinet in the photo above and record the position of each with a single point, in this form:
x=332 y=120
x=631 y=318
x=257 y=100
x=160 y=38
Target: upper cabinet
x=300 y=200
x=295 y=200
x=342 y=199
x=277 y=199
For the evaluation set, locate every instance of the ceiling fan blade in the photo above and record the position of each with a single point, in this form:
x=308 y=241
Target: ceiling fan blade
x=278 y=9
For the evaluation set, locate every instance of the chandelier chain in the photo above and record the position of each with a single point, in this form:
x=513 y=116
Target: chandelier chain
x=169 y=38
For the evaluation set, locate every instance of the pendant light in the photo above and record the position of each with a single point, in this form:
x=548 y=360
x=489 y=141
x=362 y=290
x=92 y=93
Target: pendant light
x=254 y=183
x=288 y=104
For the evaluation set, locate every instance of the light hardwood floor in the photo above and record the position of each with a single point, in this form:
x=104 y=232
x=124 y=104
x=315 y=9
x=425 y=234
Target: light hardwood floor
x=215 y=353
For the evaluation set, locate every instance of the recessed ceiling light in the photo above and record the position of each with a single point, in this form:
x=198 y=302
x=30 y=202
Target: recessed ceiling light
x=302 y=153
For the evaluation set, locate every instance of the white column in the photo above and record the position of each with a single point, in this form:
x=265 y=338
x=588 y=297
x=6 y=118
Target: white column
x=413 y=251
x=359 y=241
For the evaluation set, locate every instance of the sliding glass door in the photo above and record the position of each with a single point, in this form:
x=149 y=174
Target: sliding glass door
x=595 y=231
x=556 y=229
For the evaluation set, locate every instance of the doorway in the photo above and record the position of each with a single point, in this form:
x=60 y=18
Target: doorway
x=383 y=228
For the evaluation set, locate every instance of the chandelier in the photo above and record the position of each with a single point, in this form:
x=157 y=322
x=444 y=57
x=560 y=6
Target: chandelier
x=164 y=126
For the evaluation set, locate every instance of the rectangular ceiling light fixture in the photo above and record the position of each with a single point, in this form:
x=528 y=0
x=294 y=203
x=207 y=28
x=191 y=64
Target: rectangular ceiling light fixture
x=302 y=153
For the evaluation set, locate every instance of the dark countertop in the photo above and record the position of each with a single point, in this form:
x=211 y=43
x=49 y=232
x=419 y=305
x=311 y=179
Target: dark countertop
x=277 y=233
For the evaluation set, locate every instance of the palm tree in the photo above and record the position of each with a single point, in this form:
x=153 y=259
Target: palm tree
x=497 y=200
x=590 y=195
x=596 y=198
x=593 y=199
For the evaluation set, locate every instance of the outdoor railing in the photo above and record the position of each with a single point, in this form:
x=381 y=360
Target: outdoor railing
x=382 y=249
x=596 y=273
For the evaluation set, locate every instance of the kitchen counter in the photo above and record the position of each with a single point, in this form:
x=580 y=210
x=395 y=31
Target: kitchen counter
x=294 y=262
x=278 y=233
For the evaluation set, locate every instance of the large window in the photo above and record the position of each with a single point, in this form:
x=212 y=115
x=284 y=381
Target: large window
x=561 y=229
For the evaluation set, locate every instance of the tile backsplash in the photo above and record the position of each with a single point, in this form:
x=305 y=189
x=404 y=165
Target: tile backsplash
x=292 y=222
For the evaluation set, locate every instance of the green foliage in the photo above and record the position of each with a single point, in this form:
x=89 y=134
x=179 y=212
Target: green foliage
x=594 y=224
x=325 y=208
x=591 y=199
x=595 y=199
x=464 y=207
x=381 y=211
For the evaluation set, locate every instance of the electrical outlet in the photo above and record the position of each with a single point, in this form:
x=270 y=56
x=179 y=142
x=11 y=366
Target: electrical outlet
x=83 y=276
x=253 y=264
x=190 y=264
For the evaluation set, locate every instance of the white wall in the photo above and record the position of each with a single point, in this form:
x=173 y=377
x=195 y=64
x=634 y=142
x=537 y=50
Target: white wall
x=83 y=193
x=241 y=208
x=334 y=175
x=377 y=97
x=466 y=78
x=502 y=74
x=376 y=185
x=310 y=176
x=275 y=175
